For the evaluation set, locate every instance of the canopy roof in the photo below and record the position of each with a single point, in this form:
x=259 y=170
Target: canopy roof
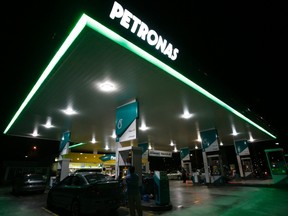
x=93 y=54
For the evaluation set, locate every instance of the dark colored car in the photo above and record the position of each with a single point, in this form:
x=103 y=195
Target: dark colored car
x=85 y=193
x=99 y=170
x=29 y=183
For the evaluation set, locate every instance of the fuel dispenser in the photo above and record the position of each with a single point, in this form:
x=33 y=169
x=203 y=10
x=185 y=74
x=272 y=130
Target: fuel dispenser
x=277 y=165
x=216 y=170
x=123 y=171
x=247 y=167
x=162 y=192
x=126 y=157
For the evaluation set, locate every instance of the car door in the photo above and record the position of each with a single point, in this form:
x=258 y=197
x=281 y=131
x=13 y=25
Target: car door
x=58 y=192
x=65 y=191
x=71 y=190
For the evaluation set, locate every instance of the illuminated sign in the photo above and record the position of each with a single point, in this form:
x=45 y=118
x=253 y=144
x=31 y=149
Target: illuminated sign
x=136 y=26
x=157 y=153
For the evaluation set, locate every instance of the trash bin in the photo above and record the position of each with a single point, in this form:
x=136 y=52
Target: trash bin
x=195 y=177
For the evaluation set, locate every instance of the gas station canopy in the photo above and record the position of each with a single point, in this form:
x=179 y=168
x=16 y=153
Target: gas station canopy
x=172 y=108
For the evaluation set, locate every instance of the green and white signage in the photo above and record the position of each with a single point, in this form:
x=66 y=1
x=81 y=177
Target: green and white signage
x=209 y=140
x=241 y=147
x=184 y=154
x=108 y=157
x=126 y=116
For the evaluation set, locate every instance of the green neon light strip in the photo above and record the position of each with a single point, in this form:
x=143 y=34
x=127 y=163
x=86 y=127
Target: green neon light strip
x=73 y=35
x=133 y=48
x=273 y=150
x=93 y=24
x=78 y=144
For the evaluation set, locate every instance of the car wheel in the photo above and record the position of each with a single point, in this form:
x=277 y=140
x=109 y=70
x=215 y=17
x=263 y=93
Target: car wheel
x=75 y=208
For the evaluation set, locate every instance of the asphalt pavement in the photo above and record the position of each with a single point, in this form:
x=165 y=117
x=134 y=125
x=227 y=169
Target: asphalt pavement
x=260 y=199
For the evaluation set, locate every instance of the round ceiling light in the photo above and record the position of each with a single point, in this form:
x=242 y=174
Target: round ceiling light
x=107 y=86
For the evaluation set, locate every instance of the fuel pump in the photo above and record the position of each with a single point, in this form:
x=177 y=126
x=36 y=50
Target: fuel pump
x=215 y=167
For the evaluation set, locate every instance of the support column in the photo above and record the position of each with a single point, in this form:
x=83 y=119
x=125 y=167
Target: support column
x=63 y=168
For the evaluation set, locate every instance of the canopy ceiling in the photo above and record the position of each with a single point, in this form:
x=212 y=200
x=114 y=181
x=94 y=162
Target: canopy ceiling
x=92 y=54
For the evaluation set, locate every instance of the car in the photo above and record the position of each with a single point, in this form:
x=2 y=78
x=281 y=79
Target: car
x=99 y=170
x=85 y=193
x=29 y=183
x=174 y=175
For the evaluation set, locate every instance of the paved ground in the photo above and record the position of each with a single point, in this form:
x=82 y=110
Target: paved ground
x=228 y=200
x=185 y=199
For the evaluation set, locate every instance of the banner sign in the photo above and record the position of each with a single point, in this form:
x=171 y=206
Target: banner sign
x=126 y=116
x=64 y=143
x=209 y=140
x=241 y=147
x=157 y=153
x=185 y=154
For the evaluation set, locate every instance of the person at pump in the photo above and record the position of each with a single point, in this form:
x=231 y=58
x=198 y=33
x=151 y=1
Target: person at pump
x=184 y=175
x=133 y=192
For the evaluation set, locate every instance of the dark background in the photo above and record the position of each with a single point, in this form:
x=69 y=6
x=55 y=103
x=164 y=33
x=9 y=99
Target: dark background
x=235 y=50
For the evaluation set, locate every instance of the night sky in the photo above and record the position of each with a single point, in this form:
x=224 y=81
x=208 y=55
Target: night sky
x=235 y=50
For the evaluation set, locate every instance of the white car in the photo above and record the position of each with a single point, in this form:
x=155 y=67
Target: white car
x=176 y=175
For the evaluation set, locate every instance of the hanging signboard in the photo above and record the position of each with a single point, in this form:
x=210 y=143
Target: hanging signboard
x=209 y=140
x=241 y=147
x=126 y=116
x=184 y=154
x=157 y=153
x=64 y=143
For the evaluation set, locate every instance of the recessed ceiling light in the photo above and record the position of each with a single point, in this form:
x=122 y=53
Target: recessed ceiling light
x=107 y=86
x=143 y=127
x=35 y=133
x=175 y=149
x=113 y=134
x=186 y=115
x=48 y=123
x=69 y=111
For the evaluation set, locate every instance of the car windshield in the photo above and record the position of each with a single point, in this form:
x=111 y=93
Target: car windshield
x=95 y=177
